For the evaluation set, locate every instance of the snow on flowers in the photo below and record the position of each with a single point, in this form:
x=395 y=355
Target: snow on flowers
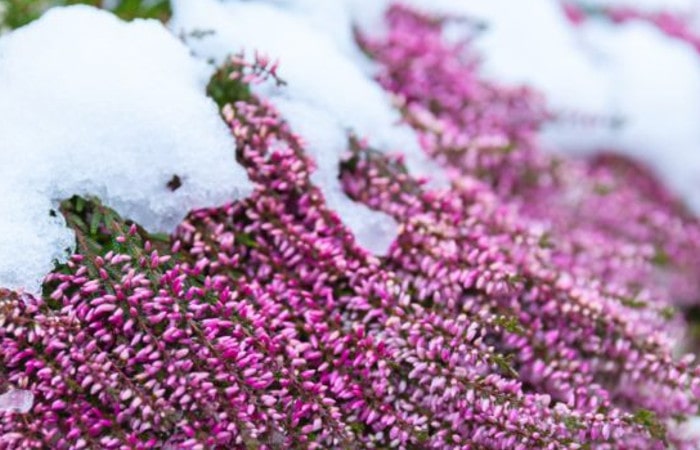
x=529 y=300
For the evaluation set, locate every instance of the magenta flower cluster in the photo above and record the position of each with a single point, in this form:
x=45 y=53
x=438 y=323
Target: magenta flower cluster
x=532 y=304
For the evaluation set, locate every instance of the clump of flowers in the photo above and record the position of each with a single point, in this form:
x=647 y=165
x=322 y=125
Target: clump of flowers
x=512 y=311
x=612 y=208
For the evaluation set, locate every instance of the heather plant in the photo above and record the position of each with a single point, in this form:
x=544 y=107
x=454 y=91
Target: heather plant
x=608 y=197
x=605 y=223
x=492 y=322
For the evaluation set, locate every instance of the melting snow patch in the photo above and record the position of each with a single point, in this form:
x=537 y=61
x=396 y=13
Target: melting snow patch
x=92 y=105
x=655 y=88
x=16 y=400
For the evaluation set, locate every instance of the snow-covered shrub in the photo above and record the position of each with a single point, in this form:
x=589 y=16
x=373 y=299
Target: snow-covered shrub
x=533 y=301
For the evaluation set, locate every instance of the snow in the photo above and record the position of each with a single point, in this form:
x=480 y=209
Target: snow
x=631 y=72
x=16 y=400
x=657 y=91
x=329 y=90
x=597 y=71
x=95 y=106
x=650 y=5
x=92 y=105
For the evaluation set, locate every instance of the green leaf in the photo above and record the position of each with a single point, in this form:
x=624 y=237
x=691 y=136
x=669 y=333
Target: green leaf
x=660 y=258
x=224 y=90
x=668 y=312
x=95 y=222
x=510 y=323
x=545 y=240
x=648 y=420
x=633 y=303
x=350 y=164
x=160 y=237
x=572 y=423
x=602 y=189
x=246 y=240
x=504 y=364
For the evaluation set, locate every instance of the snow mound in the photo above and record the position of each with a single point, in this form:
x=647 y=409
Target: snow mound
x=16 y=400
x=328 y=92
x=656 y=90
x=92 y=105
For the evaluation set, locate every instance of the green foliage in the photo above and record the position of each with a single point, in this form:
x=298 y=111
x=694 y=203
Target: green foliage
x=661 y=258
x=224 y=87
x=633 y=303
x=504 y=364
x=603 y=189
x=573 y=424
x=511 y=324
x=100 y=230
x=350 y=164
x=93 y=224
x=246 y=239
x=648 y=420
x=545 y=240
x=139 y=9
x=17 y=13
x=97 y=228
x=668 y=312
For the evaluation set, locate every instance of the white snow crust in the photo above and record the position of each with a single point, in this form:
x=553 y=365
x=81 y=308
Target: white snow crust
x=329 y=91
x=92 y=105
x=16 y=400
